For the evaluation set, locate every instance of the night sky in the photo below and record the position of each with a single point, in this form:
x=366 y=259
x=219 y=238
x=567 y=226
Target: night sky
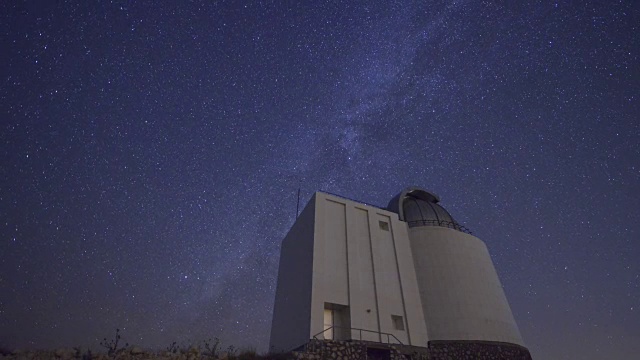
x=151 y=152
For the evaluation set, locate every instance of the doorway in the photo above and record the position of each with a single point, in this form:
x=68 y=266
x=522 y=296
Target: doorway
x=337 y=324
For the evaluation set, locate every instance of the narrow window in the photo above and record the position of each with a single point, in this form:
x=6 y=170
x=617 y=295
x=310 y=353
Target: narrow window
x=398 y=322
x=384 y=225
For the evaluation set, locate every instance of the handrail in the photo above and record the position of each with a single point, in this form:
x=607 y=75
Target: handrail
x=361 y=330
x=441 y=223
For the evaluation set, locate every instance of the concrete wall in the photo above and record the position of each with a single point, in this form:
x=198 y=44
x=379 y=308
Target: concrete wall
x=362 y=281
x=438 y=350
x=292 y=307
x=351 y=350
x=476 y=350
x=369 y=269
x=461 y=294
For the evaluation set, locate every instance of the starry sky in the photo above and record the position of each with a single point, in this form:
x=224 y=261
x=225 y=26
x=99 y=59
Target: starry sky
x=151 y=152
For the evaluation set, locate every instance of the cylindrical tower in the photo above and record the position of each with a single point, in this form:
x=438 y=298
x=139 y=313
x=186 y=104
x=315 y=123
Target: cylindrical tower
x=462 y=298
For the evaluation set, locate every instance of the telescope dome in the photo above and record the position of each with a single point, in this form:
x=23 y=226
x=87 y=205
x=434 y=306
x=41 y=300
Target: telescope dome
x=418 y=207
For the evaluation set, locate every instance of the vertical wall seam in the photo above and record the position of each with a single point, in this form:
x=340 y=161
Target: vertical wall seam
x=373 y=273
x=346 y=247
x=318 y=255
x=404 y=305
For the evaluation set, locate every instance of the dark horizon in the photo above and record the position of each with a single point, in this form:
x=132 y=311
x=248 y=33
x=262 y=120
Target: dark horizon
x=151 y=155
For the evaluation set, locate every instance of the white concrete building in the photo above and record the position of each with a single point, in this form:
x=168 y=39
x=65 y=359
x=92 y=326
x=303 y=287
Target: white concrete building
x=407 y=274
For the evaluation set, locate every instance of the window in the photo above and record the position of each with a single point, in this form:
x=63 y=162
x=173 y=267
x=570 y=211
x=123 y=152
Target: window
x=398 y=322
x=384 y=225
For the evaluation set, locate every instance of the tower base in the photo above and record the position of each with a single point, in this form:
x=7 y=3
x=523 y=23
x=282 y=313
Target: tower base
x=437 y=350
x=481 y=350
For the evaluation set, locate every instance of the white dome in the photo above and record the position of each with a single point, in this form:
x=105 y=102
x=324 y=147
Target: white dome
x=419 y=207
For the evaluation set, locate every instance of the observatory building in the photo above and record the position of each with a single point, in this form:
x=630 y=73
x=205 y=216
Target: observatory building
x=408 y=275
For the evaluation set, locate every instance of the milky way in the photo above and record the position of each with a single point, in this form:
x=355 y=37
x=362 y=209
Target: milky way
x=151 y=155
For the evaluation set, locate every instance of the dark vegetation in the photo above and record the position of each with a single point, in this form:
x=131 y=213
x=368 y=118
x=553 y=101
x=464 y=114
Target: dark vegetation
x=4 y=351
x=112 y=346
x=209 y=349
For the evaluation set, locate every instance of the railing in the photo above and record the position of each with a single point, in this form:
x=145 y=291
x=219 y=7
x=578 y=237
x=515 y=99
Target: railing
x=389 y=336
x=442 y=223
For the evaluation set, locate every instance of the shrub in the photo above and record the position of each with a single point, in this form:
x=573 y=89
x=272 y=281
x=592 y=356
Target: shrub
x=112 y=346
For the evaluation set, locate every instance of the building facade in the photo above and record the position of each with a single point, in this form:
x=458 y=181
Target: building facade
x=408 y=274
